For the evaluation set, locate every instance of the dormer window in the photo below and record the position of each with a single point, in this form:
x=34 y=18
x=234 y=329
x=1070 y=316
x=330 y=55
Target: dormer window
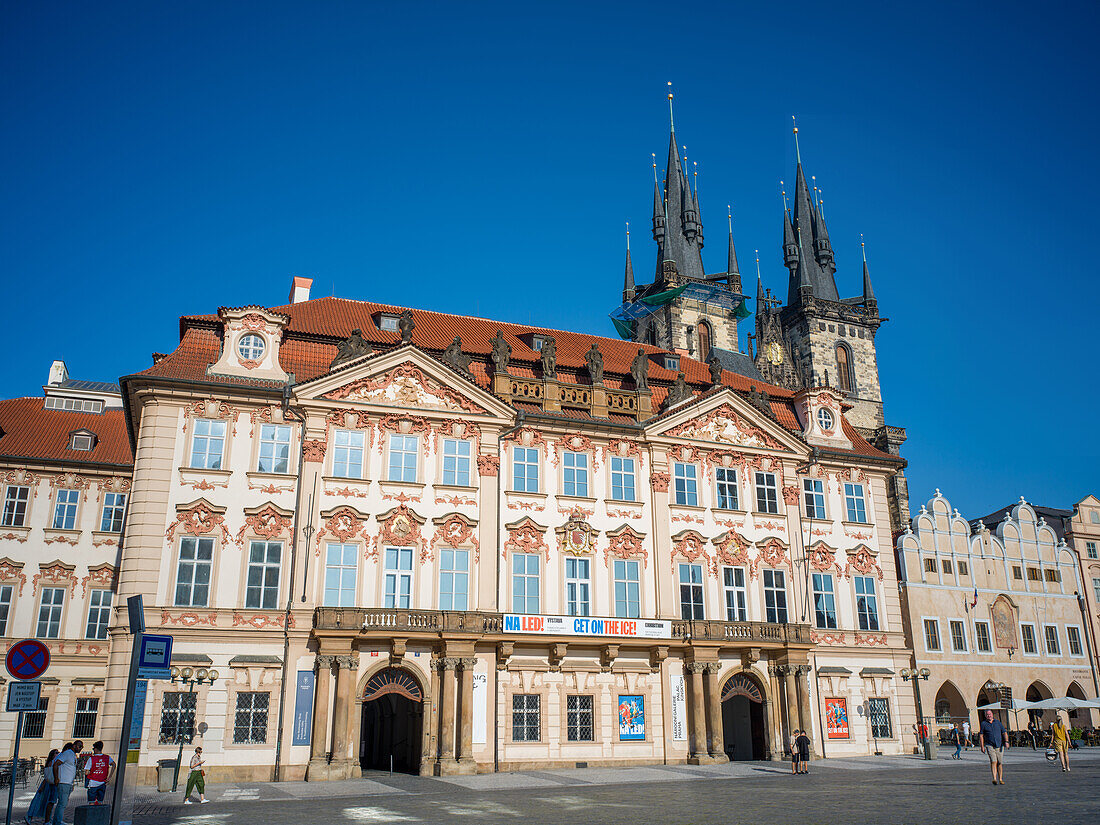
x=251 y=347
x=825 y=419
x=387 y=322
x=59 y=402
x=82 y=440
x=536 y=343
x=672 y=362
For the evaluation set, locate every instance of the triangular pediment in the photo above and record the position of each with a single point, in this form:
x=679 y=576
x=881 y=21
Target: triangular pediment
x=405 y=379
x=726 y=419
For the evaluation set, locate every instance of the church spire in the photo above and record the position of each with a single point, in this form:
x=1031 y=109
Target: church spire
x=733 y=275
x=868 y=291
x=807 y=231
x=681 y=238
x=628 y=275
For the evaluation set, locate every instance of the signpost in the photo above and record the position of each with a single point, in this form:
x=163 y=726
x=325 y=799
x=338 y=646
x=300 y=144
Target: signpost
x=26 y=660
x=155 y=657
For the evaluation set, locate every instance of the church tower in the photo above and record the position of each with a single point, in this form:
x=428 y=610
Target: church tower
x=683 y=309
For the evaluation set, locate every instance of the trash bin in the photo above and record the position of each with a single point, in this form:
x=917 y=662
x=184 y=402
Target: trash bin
x=166 y=770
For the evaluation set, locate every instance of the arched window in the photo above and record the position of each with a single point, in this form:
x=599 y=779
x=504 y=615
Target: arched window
x=704 y=340
x=844 y=368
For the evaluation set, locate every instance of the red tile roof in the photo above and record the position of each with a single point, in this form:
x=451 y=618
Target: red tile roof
x=316 y=327
x=33 y=432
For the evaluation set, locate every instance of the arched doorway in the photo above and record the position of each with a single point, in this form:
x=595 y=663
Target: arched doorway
x=393 y=707
x=950 y=706
x=1078 y=718
x=1037 y=692
x=743 y=718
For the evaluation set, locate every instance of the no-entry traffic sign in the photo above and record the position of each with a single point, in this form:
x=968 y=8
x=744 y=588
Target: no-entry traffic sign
x=28 y=659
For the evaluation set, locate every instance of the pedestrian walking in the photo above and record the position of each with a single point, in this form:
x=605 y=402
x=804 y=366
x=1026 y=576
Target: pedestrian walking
x=793 y=744
x=98 y=769
x=803 y=742
x=196 y=779
x=1033 y=732
x=994 y=741
x=957 y=741
x=64 y=772
x=1059 y=740
x=966 y=734
x=46 y=794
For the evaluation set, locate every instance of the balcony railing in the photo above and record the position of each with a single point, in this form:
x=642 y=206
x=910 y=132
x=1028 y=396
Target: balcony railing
x=437 y=621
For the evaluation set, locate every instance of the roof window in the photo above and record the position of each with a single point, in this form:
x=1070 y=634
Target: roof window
x=672 y=362
x=82 y=440
x=387 y=322
x=61 y=402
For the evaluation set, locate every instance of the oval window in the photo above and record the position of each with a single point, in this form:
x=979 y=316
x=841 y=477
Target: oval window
x=251 y=347
x=825 y=419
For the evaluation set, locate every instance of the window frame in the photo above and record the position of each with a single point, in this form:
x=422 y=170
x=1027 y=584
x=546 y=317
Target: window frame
x=461 y=477
x=855 y=506
x=627 y=582
x=691 y=609
x=572 y=475
x=529 y=458
x=102 y=614
x=56 y=617
x=207 y=439
x=33 y=718
x=402 y=468
x=116 y=504
x=63 y=508
x=195 y=562
x=253 y=713
x=1034 y=639
x=1047 y=640
x=1090 y=549
x=738 y=610
x=246 y=348
x=574 y=723
x=688 y=483
x=883 y=703
x=348 y=450
x=623 y=474
x=774 y=591
x=529 y=719
x=988 y=650
x=7 y=598
x=1074 y=631
x=448 y=596
x=866 y=597
x=960 y=626
x=183 y=714
x=732 y=487
x=527 y=577
x=265 y=566
x=933 y=643
x=763 y=489
x=824 y=600
x=270 y=434
x=397 y=575
x=12 y=506
x=578 y=589
x=343 y=567
x=815 y=497
x=80 y=715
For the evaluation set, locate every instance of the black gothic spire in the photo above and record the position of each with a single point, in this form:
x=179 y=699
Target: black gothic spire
x=680 y=238
x=806 y=248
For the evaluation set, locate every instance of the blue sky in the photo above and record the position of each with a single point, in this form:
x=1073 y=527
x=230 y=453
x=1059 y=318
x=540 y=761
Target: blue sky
x=482 y=158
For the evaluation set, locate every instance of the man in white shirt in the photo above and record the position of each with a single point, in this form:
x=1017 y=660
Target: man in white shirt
x=64 y=771
x=966 y=734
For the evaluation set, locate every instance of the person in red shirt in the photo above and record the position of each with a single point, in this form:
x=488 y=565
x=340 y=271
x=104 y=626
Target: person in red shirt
x=98 y=770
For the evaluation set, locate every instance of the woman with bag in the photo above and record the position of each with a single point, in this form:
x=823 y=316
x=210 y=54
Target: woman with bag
x=196 y=779
x=46 y=795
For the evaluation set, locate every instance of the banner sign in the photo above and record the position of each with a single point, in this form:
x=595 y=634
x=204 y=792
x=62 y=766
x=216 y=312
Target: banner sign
x=836 y=718
x=679 y=707
x=584 y=626
x=480 y=707
x=303 y=707
x=631 y=717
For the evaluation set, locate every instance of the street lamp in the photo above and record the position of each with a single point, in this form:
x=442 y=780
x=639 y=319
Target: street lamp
x=916 y=675
x=189 y=677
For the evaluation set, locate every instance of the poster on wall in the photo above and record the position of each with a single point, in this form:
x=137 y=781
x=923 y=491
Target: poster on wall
x=679 y=707
x=303 y=707
x=836 y=718
x=480 y=706
x=631 y=718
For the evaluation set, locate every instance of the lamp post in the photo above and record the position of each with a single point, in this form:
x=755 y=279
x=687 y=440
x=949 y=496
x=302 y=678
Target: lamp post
x=189 y=677
x=916 y=675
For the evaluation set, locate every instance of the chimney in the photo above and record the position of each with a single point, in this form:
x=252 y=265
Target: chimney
x=299 y=289
x=59 y=373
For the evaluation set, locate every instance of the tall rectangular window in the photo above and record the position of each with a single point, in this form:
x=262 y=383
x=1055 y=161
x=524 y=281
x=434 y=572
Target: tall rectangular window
x=880 y=718
x=577 y=586
x=403 y=457
x=99 y=614
x=64 y=513
x=525 y=583
x=1027 y=636
x=49 y=612
x=1090 y=549
x=525 y=717
x=454 y=580
x=265 y=560
x=854 y=503
x=1074 y=637
x=725 y=480
x=274 y=448
x=208 y=444
x=250 y=719
x=691 y=591
x=6 y=592
x=177 y=718
x=341 y=565
x=575 y=474
x=958 y=636
x=866 y=603
x=114 y=507
x=34 y=721
x=775 y=597
x=813 y=496
x=1050 y=633
x=525 y=469
x=1096 y=589
x=627 y=589
x=767 y=494
x=686 y=489
x=193 y=573
x=84 y=719
x=15 y=506
x=622 y=478
x=931 y=634
x=347 y=454
x=981 y=637
x=579 y=725
x=824 y=601
x=398 y=576
x=733 y=582
x=456 y=462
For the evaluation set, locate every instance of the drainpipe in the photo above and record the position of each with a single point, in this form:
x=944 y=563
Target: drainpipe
x=290 y=583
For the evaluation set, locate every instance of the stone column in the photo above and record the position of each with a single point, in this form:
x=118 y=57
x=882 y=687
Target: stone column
x=699 y=755
x=787 y=674
x=715 y=735
x=466 y=717
x=805 y=720
x=346 y=667
x=775 y=741
x=318 y=754
x=447 y=696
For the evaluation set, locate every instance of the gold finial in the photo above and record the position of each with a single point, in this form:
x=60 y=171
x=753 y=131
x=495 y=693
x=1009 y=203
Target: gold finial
x=628 y=236
x=695 y=163
x=729 y=214
x=863 y=247
x=783 y=193
x=671 y=122
x=797 y=153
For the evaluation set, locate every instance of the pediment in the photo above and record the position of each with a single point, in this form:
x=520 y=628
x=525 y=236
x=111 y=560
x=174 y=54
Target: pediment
x=728 y=420
x=405 y=379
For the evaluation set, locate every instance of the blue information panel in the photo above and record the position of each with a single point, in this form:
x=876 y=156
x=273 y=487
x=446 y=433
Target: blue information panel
x=303 y=707
x=141 y=688
x=155 y=657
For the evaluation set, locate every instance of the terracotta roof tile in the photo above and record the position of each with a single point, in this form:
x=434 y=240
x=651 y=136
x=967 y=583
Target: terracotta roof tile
x=33 y=432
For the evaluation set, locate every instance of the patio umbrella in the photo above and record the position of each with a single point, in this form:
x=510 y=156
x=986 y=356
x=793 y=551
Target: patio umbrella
x=1062 y=703
x=1017 y=704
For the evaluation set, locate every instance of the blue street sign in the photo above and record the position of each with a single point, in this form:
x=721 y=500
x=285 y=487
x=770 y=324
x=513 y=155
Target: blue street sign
x=155 y=657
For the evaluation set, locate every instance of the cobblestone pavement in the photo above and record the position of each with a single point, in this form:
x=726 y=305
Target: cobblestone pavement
x=841 y=791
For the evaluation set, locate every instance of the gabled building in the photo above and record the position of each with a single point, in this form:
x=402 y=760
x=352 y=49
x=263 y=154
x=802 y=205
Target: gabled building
x=65 y=475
